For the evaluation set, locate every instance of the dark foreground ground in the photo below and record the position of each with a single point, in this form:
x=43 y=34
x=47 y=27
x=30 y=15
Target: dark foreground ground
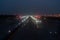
x=27 y=31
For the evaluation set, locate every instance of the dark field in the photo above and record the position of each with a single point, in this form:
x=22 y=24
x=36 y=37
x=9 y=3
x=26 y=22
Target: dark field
x=49 y=29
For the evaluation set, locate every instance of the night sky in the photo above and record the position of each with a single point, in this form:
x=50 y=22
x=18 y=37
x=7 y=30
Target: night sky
x=29 y=6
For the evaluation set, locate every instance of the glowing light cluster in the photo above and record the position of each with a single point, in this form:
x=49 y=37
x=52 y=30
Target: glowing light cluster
x=36 y=20
x=26 y=17
x=23 y=17
x=33 y=18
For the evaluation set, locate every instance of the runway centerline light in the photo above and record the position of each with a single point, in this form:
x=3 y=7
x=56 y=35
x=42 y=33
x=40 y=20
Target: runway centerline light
x=38 y=21
x=9 y=31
